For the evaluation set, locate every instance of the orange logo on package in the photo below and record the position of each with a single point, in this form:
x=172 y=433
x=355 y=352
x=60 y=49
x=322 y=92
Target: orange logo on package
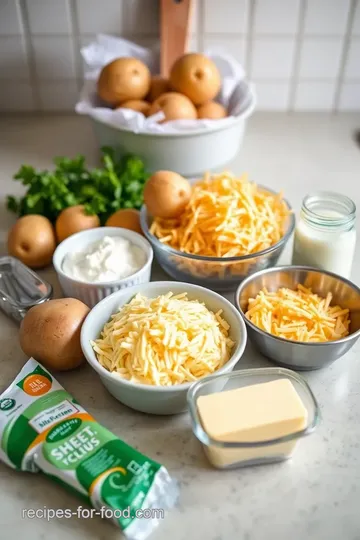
x=36 y=385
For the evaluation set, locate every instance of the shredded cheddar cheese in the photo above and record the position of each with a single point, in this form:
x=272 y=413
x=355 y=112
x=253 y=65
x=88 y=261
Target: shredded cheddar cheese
x=164 y=341
x=225 y=217
x=299 y=315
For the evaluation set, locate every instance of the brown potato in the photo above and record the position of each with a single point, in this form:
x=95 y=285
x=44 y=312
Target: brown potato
x=32 y=240
x=138 y=105
x=50 y=333
x=212 y=110
x=166 y=194
x=128 y=218
x=73 y=220
x=175 y=107
x=123 y=79
x=158 y=85
x=196 y=76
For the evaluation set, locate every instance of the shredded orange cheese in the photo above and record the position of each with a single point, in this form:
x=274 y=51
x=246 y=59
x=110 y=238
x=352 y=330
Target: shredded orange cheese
x=225 y=217
x=299 y=315
x=164 y=341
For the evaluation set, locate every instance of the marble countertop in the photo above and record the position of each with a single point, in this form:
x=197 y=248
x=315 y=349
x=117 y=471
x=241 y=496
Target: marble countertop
x=315 y=496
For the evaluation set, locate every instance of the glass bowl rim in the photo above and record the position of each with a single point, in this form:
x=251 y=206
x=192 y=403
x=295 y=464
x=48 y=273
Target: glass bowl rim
x=204 y=438
x=157 y=244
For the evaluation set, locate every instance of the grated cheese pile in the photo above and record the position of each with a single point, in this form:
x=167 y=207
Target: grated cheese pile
x=164 y=341
x=225 y=217
x=298 y=315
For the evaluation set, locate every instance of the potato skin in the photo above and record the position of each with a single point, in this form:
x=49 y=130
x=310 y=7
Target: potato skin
x=166 y=194
x=32 y=240
x=196 y=76
x=175 y=106
x=73 y=220
x=123 y=79
x=50 y=332
x=127 y=218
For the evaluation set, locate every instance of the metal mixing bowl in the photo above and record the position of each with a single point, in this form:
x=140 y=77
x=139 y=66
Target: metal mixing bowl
x=292 y=354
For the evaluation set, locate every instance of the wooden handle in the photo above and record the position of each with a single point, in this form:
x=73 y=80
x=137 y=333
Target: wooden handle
x=175 y=20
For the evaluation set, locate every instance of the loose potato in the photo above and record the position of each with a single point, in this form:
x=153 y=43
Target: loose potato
x=50 y=333
x=129 y=218
x=166 y=194
x=73 y=220
x=32 y=240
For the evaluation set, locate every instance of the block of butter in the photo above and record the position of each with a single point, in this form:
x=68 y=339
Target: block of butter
x=260 y=412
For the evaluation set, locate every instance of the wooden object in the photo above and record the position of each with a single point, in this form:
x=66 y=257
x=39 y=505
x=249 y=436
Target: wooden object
x=174 y=31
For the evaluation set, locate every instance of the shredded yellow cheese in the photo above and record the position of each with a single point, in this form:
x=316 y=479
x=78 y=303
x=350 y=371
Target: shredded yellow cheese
x=299 y=315
x=225 y=217
x=164 y=341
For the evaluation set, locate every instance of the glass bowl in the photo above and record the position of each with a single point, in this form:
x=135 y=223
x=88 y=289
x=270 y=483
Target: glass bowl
x=224 y=455
x=218 y=273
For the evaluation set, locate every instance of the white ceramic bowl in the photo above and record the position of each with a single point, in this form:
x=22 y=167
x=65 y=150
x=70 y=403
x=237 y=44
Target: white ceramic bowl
x=92 y=293
x=156 y=399
x=189 y=153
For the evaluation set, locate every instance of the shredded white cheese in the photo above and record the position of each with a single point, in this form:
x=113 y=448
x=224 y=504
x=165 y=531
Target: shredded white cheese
x=164 y=341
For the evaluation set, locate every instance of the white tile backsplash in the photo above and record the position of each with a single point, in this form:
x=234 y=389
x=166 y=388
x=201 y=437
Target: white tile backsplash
x=141 y=17
x=226 y=16
x=58 y=96
x=234 y=46
x=278 y=17
x=302 y=54
x=320 y=58
x=54 y=57
x=104 y=16
x=350 y=97
x=49 y=16
x=272 y=58
x=10 y=18
x=272 y=96
x=352 y=66
x=16 y=96
x=326 y=17
x=314 y=96
x=13 y=59
x=356 y=20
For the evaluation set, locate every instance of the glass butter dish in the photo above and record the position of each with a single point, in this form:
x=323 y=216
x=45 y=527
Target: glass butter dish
x=20 y=288
x=281 y=410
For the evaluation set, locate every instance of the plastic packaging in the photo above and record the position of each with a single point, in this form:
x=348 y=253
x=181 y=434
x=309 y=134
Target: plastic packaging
x=43 y=428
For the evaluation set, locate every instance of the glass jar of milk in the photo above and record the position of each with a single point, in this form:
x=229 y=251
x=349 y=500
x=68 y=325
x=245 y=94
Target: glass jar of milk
x=325 y=235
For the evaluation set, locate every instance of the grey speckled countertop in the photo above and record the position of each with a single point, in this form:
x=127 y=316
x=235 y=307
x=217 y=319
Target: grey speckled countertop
x=316 y=495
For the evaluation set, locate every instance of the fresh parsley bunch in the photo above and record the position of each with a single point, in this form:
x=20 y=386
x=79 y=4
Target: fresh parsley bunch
x=119 y=183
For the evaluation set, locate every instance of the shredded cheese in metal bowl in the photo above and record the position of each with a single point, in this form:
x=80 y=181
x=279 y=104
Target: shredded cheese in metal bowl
x=299 y=315
x=164 y=341
x=225 y=217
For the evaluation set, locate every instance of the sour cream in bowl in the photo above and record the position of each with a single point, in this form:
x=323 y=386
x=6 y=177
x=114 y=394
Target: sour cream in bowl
x=97 y=262
x=108 y=259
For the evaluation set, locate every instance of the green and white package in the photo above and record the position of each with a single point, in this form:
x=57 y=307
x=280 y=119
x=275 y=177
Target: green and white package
x=43 y=428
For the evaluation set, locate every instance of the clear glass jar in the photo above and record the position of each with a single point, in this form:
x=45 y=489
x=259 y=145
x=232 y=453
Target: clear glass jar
x=325 y=234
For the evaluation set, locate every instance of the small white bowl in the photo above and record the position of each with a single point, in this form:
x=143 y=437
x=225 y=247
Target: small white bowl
x=92 y=293
x=156 y=399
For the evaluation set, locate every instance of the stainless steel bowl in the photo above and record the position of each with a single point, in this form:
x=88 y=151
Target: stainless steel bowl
x=292 y=354
x=217 y=273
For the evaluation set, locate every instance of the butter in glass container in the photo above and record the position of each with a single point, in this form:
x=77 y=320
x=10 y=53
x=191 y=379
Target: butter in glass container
x=251 y=416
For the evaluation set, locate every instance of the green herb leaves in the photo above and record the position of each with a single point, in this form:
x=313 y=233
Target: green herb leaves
x=118 y=184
